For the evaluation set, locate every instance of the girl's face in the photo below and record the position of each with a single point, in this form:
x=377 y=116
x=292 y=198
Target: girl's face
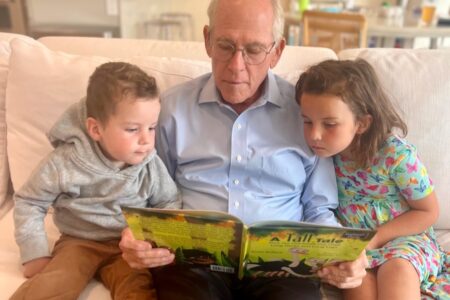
x=329 y=124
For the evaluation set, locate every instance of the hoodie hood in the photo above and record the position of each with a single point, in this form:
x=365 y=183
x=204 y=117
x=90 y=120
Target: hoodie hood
x=70 y=130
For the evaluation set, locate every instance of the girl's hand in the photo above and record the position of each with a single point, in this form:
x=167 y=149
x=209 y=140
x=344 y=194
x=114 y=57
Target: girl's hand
x=141 y=254
x=35 y=266
x=346 y=275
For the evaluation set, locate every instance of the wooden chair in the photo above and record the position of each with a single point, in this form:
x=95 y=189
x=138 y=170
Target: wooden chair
x=337 y=31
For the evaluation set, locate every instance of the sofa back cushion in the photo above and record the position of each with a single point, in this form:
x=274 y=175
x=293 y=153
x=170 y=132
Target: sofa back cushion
x=5 y=52
x=42 y=83
x=419 y=83
x=294 y=59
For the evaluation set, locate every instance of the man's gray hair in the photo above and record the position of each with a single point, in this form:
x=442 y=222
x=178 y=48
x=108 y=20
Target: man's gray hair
x=278 y=18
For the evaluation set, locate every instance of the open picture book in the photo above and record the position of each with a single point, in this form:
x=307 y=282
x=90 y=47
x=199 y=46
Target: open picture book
x=224 y=243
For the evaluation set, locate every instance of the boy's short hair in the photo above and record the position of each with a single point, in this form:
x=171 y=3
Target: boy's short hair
x=113 y=82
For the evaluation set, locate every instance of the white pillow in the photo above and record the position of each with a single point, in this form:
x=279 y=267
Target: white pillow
x=4 y=170
x=5 y=182
x=419 y=82
x=42 y=83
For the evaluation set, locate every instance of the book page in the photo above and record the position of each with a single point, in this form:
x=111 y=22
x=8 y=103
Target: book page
x=196 y=238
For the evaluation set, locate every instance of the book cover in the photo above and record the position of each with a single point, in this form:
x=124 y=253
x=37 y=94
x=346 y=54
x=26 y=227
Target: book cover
x=223 y=243
x=283 y=248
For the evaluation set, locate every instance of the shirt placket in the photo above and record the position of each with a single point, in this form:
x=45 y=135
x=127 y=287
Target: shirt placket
x=237 y=164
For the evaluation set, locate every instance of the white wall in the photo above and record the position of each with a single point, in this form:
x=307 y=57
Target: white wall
x=135 y=12
x=73 y=12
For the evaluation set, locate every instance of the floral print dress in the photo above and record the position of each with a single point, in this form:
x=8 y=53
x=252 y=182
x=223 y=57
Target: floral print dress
x=377 y=194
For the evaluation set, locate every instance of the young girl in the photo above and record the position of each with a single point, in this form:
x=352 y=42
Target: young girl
x=381 y=181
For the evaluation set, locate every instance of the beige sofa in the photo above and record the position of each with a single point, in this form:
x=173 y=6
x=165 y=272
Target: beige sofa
x=39 y=79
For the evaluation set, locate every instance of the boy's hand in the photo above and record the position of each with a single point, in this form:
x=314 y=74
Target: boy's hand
x=346 y=275
x=35 y=266
x=140 y=254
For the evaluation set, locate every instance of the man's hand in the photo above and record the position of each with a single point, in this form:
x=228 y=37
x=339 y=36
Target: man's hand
x=346 y=275
x=140 y=254
x=35 y=266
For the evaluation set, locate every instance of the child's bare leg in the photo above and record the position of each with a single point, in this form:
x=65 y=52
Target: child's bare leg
x=398 y=279
x=367 y=290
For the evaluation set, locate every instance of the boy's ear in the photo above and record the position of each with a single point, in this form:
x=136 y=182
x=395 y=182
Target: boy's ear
x=364 y=124
x=93 y=128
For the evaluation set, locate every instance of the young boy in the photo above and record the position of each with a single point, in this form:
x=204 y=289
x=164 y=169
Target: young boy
x=104 y=157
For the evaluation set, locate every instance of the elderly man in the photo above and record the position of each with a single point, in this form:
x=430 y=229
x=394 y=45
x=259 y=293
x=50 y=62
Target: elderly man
x=232 y=140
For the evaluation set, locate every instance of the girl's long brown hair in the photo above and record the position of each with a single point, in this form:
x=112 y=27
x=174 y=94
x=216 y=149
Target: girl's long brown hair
x=356 y=82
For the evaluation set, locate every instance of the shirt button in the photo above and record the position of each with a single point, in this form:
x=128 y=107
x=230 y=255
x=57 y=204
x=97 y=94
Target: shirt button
x=238 y=158
x=236 y=204
x=239 y=126
x=236 y=181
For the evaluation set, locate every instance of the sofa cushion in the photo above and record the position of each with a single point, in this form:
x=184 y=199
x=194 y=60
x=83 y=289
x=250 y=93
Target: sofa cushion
x=419 y=83
x=11 y=276
x=37 y=95
x=294 y=58
x=42 y=83
x=5 y=52
x=4 y=170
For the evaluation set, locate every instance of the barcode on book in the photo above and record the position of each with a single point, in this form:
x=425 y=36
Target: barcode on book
x=222 y=269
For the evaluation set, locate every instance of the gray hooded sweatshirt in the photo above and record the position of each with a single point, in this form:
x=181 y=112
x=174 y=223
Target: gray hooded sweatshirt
x=85 y=189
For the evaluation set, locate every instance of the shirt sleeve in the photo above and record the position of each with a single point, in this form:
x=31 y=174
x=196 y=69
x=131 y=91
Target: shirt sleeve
x=32 y=202
x=410 y=175
x=320 y=193
x=164 y=190
x=163 y=140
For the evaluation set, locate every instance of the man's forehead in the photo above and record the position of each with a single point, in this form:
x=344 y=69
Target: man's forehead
x=242 y=34
x=244 y=13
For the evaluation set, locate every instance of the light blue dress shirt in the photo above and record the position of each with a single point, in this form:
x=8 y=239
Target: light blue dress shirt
x=255 y=165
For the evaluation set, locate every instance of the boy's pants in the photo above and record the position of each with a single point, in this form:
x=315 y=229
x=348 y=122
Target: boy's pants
x=75 y=261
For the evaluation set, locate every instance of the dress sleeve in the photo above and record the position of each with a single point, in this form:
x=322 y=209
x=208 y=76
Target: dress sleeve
x=410 y=175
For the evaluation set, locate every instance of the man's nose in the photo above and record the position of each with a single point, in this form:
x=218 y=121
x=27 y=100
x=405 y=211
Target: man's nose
x=237 y=61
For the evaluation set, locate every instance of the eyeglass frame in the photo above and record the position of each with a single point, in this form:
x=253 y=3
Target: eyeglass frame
x=244 y=52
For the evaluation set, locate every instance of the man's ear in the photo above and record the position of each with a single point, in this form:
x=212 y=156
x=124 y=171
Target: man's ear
x=93 y=128
x=275 y=57
x=207 y=39
x=364 y=124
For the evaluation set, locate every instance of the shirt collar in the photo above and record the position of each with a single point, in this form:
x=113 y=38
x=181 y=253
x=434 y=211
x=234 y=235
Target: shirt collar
x=271 y=92
x=209 y=93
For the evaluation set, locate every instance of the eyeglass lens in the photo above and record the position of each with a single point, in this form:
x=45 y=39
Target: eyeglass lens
x=252 y=54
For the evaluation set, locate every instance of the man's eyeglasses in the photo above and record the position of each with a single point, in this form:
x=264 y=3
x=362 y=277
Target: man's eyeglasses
x=253 y=54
